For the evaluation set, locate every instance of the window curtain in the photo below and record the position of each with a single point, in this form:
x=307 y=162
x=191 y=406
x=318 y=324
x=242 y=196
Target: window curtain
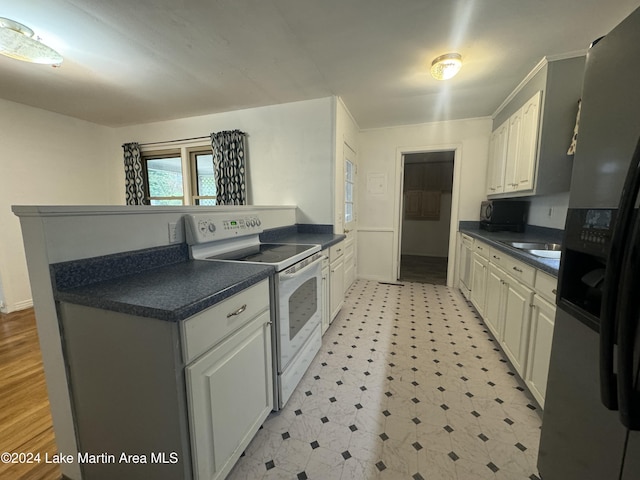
x=229 y=167
x=134 y=174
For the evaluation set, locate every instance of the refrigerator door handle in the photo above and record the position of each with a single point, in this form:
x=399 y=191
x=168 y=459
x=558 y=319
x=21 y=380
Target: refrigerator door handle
x=609 y=312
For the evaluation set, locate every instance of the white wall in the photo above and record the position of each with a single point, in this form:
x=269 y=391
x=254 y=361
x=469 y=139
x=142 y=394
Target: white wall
x=45 y=158
x=290 y=151
x=549 y=210
x=379 y=194
x=428 y=238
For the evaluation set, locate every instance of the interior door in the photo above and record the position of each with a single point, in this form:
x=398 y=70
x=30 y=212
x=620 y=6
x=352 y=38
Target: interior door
x=350 y=215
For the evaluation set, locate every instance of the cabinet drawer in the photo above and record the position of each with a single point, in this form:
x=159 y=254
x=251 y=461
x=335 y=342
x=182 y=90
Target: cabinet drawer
x=546 y=286
x=481 y=249
x=467 y=241
x=498 y=257
x=206 y=329
x=518 y=270
x=336 y=251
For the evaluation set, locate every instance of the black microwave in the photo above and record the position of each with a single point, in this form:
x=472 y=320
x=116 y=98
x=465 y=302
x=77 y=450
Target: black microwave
x=504 y=214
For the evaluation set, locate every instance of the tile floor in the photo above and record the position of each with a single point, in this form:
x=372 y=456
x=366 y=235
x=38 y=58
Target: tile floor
x=408 y=384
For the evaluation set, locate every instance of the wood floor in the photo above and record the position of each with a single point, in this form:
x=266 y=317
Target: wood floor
x=25 y=417
x=414 y=268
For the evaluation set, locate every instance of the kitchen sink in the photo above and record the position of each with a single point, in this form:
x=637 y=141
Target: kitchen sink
x=539 y=249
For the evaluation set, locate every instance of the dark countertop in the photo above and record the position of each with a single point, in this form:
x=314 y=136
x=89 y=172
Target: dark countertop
x=325 y=240
x=531 y=234
x=163 y=283
x=173 y=292
x=303 y=234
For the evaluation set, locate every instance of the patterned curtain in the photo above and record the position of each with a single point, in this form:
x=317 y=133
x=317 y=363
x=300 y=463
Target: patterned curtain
x=229 y=167
x=134 y=174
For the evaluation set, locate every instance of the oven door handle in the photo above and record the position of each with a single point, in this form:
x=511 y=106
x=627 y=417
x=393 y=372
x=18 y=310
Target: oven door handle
x=284 y=276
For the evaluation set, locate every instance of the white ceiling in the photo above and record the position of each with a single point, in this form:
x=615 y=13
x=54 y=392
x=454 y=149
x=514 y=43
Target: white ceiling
x=137 y=61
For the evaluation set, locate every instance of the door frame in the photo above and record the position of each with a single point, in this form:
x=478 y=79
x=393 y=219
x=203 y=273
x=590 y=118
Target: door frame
x=455 y=202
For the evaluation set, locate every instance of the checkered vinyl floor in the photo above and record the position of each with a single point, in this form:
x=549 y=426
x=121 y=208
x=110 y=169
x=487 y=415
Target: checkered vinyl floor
x=408 y=384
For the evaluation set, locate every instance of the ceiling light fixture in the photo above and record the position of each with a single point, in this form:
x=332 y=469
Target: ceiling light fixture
x=446 y=66
x=16 y=42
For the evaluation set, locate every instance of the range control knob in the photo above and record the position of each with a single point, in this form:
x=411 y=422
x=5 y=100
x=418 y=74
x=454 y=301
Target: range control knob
x=211 y=227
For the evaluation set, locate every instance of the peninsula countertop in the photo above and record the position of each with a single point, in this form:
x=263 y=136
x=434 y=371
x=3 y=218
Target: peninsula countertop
x=160 y=283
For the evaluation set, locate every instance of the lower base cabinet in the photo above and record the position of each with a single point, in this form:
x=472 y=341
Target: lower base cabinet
x=336 y=278
x=230 y=395
x=540 y=339
x=515 y=303
x=190 y=395
x=517 y=316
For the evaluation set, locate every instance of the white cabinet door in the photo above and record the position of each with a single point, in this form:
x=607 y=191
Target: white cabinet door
x=336 y=284
x=517 y=315
x=497 y=159
x=528 y=145
x=230 y=394
x=541 y=337
x=326 y=302
x=495 y=301
x=513 y=141
x=479 y=282
x=349 y=262
x=464 y=265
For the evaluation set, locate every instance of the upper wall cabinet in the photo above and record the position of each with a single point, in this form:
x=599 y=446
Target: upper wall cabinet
x=533 y=130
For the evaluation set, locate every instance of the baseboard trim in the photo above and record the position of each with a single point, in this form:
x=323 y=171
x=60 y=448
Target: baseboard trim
x=23 y=305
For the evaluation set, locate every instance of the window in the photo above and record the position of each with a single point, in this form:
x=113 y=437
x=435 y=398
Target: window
x=349 y=179
x=167 y=180
x=164 y=178
x=203 y=182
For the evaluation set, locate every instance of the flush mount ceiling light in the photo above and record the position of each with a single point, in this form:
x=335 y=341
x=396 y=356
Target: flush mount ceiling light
x=16 y=42
x=446 y=66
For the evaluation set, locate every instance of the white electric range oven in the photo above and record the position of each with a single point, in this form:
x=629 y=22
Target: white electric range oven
x=296 y=304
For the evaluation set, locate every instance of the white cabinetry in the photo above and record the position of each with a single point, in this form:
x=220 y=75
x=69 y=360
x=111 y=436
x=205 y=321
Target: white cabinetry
x=336 y=278
x=465 y=243
x=494 y=311
x=513 y=150
x=517 y=315
x=497 y=159
x=480 y=264
x=516 y=302
x=326 y=292
x=349 y=262
x=541 y=336
x=532 y=131
x=230 y=387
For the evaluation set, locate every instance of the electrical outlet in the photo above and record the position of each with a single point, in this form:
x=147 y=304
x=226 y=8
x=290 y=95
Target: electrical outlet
x=550 y=211
x=173 y=232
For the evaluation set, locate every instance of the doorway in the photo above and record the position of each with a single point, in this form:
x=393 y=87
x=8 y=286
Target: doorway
x=426 y=216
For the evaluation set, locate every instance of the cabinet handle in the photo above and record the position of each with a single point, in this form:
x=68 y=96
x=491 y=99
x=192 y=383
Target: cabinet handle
x=554 y=291
x=496 y=257
x=517 y=269
x=238 y=311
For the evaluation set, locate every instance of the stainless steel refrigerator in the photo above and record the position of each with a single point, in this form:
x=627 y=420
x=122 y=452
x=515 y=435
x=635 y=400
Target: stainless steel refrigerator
x=592 y=406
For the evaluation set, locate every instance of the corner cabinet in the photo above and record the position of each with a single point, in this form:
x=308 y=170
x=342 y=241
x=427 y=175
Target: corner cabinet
x=533 y=130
